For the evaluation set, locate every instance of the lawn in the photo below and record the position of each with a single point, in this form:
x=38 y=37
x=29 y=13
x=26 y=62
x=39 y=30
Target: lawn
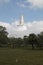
x=19 y=56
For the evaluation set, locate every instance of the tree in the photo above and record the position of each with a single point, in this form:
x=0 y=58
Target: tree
x=12 y=42
x=15 y=42
x=40 y=40
x=32 y=40
x=19 y=42
x=25 y=40
x=3 y=36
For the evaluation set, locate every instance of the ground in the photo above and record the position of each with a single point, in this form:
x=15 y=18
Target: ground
x=20 y=56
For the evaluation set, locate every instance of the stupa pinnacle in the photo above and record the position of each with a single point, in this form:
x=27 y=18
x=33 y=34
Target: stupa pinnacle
x=21 y=23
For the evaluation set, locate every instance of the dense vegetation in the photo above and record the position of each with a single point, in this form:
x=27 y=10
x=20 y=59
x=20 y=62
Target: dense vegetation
x=33 y=40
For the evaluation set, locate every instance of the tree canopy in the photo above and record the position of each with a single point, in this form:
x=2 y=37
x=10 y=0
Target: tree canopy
x=3 y=35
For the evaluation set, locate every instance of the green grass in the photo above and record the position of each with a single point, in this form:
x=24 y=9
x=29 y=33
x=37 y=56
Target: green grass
x=8 y=56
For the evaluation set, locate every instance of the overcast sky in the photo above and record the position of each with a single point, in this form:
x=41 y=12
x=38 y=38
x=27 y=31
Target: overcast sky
x=11 y=10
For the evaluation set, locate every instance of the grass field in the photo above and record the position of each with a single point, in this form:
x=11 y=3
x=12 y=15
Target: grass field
x=20 y=57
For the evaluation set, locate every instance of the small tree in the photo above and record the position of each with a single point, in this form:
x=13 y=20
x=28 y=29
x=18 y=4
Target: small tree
x=25 y=41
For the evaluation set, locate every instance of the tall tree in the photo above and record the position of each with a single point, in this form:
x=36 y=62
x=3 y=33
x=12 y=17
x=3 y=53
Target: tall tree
x=32 y=40
x=3 y=35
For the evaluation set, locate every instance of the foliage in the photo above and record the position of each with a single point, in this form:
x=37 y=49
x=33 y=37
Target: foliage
x=3 y=36
x=36 y=41
x=33 y=40
x=40 y=40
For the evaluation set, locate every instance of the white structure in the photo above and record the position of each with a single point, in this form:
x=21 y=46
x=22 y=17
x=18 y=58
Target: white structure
x=21 y=23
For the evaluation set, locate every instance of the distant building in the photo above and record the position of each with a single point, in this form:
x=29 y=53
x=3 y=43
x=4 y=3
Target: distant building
x=21 y=23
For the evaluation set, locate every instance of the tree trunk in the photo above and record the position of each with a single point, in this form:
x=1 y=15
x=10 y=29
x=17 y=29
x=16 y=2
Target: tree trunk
x=32 y=46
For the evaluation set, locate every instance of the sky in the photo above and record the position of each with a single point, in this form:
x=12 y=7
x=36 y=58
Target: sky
x=11 y=10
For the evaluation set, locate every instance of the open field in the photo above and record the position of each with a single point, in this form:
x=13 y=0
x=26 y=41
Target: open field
x=20 y=57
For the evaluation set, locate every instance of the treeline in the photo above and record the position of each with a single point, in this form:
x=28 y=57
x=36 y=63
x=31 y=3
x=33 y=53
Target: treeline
x=33 y=40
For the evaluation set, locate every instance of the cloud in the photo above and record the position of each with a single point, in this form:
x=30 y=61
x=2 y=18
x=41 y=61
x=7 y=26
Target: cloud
x=35 y=3
x=19 y=31
x=31 y=4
